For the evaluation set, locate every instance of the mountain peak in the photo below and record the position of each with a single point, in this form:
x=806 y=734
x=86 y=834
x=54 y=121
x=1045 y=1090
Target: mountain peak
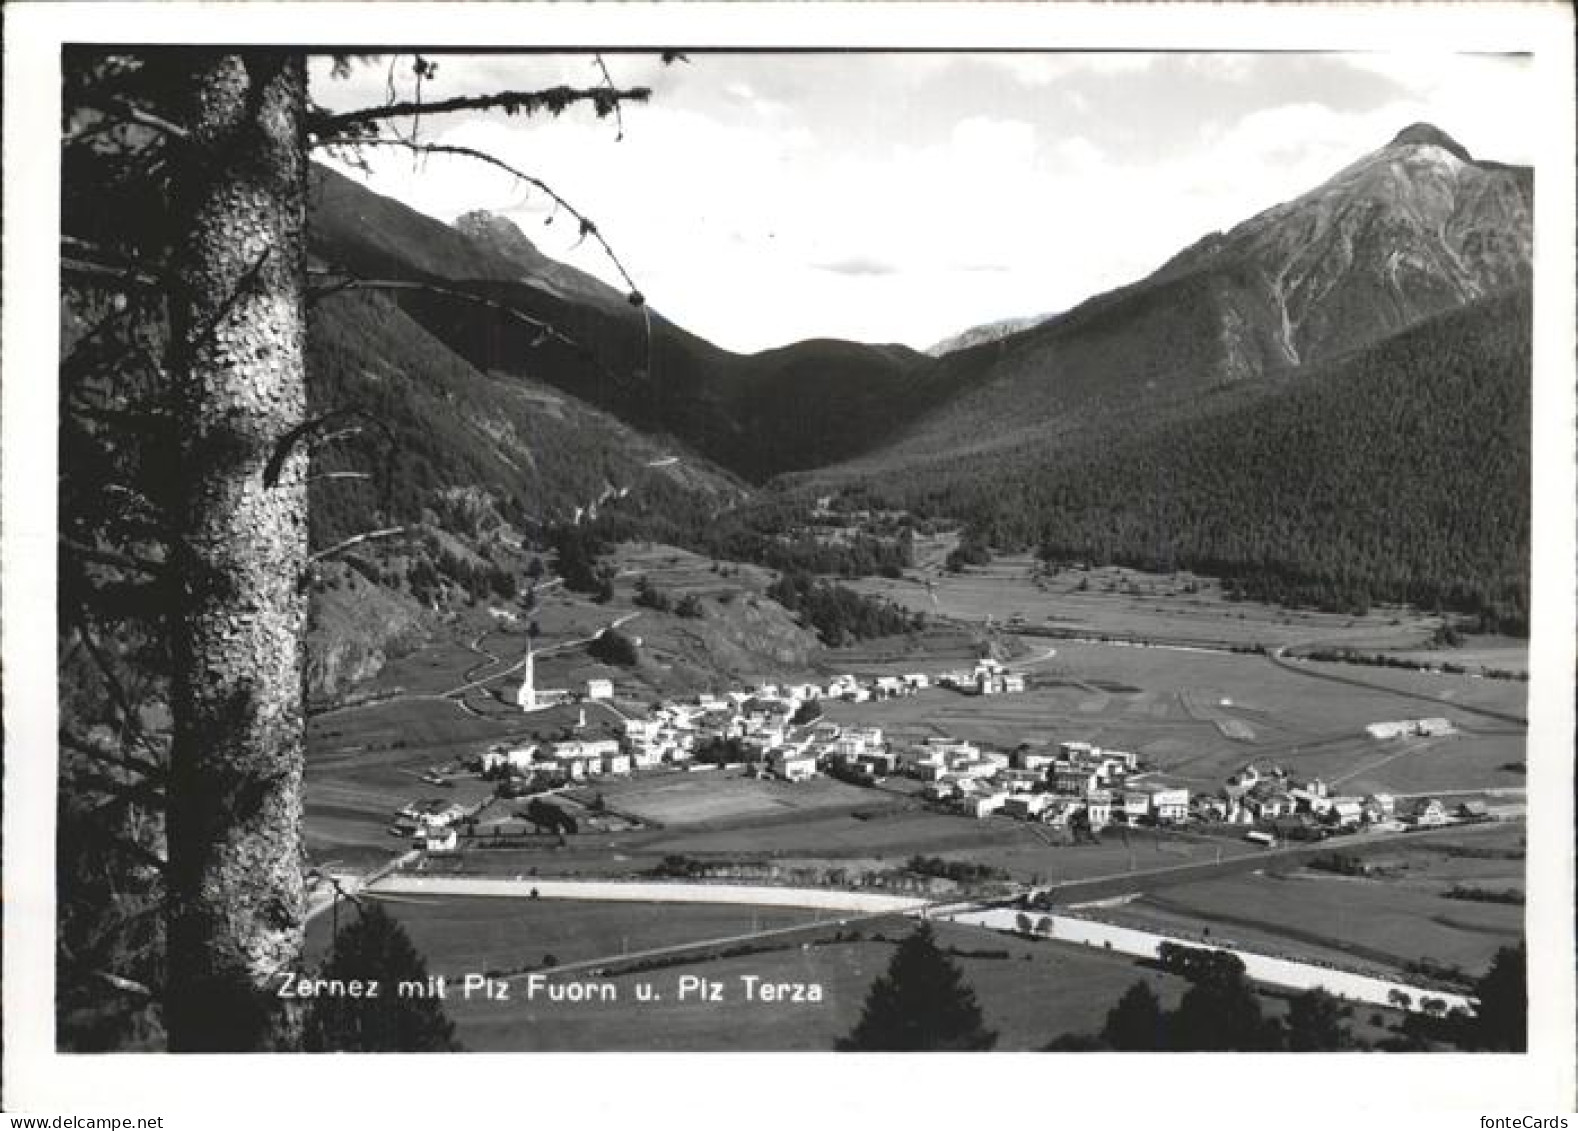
x=502 y=234
x=1423 y=133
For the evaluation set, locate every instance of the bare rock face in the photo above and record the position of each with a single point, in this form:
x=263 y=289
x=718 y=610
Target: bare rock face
x=1409 y=231
x=984 y=334
x=1412 y=230
x=356 y=627
x=503 y=237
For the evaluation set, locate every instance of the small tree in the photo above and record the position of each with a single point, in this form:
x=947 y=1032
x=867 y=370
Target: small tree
x=1501 y=1022
x=614 y=648
x=1136 y=1023
x=921 y=1004
x=1314 y=1023
x=1220 y=1013
x=376 y=948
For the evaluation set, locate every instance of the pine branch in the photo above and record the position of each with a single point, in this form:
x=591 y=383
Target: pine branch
x=113 y=558
x=545 y=332
x=125 y=112
x=123 y=274
x=130 y=725
x=124 y=985
x=357 y=540
x=119 y=759
x=326 y=128
x=608 y=84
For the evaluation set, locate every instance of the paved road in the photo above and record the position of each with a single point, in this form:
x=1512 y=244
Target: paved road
x=552 y=649
x=1260 y=967
x=651 y=891
x=450 y=695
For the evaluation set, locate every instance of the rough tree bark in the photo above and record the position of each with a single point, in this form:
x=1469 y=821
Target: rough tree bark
x=237 y=316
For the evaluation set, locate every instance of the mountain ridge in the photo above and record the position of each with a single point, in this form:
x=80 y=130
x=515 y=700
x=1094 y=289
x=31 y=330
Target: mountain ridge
x=1403 y=233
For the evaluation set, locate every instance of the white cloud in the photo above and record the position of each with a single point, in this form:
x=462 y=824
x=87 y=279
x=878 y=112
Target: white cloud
x=761 y=200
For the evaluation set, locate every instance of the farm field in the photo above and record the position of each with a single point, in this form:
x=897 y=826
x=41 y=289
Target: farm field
x=1116 y=601
x=1374 y=921
x=1039 y=991
x=679 y=799
x=478 y=934
x=1491 y=652
x=364 y=764
x=880 y=841
x=1197 y=717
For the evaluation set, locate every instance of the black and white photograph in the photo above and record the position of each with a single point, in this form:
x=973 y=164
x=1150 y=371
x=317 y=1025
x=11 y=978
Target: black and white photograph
x=651 y=539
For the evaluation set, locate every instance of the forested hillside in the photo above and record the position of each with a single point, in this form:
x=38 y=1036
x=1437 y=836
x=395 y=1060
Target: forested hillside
x=1399 y=472
x=438 y=425
x=792 y=408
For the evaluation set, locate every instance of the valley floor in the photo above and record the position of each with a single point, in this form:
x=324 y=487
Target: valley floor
x=1194 y=712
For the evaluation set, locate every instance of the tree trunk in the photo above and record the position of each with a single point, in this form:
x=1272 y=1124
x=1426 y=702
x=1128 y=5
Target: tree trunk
x=238 y=325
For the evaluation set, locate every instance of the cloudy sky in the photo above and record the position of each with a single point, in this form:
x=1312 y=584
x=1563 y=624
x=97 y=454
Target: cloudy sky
x=759 y=199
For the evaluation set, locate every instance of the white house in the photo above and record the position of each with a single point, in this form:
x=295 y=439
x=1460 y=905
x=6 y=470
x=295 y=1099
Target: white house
x=1390 y=729
x=1133 y=804
x=1347 y=810
x=643 y=730
x=1098 y=808
x=1037 y=760
x=437 y=838
x=793 y=766
x=597 y=689
x=1027 y=805
x=1429 y=813
x=647 y=757
x=1168 y=803
x=985 y=804
x=1074 y=779
x=1383 y=805
x=517 y=758
x=435 y=813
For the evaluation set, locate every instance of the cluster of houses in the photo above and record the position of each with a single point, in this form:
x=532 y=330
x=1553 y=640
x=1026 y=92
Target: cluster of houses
x=1277 y=805
x=760 y=720
x=430 y=823
x=1075 y=784
x=987 y=678
x=1253 y=797
x=1072 y=784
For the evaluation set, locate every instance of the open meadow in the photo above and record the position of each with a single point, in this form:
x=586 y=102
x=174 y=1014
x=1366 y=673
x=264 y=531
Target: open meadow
x=1198 y=716
x=1030 y=992
x=1015 y=589
x=1399 y=913
x=689 y=798
x=461 y=935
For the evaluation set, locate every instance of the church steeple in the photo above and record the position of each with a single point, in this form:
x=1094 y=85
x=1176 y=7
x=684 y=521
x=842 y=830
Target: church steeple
x=526 y=698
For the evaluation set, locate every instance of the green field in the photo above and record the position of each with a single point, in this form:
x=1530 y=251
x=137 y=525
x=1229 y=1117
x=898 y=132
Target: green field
x=1196 y=715
x=477 y=934
x=1035 y=993
x=1116 y=601
x=700 y=796
x=1383 y=922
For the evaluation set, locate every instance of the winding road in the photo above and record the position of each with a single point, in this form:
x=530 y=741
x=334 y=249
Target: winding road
x=472 y=684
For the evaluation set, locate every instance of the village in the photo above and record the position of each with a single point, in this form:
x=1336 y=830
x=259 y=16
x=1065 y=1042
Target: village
x=778 y=732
